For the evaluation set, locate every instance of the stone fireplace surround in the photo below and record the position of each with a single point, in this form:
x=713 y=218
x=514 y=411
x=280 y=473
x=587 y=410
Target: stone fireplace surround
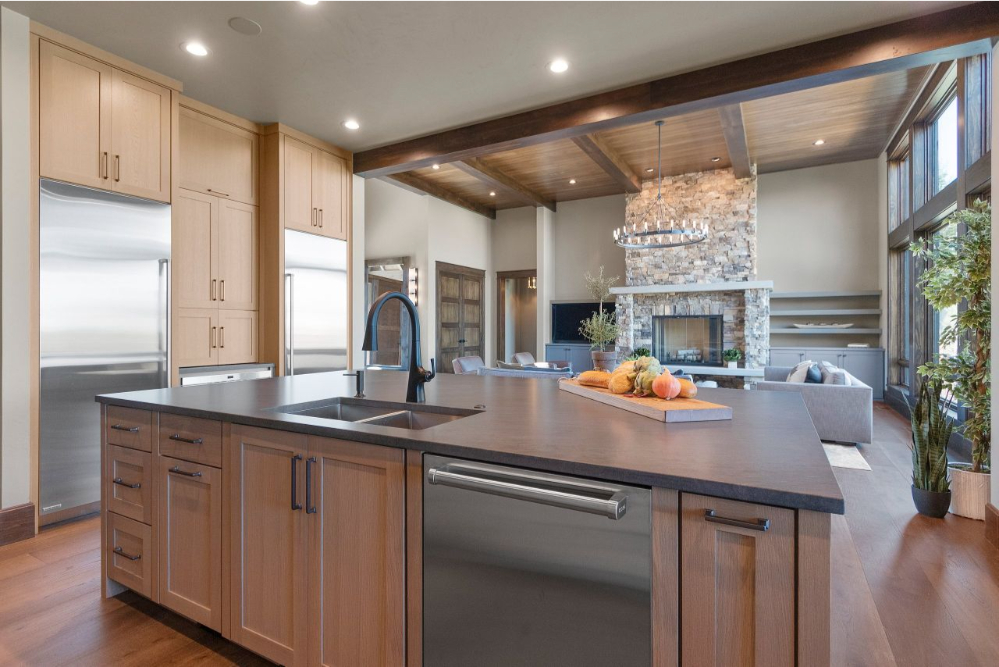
x=715 y=277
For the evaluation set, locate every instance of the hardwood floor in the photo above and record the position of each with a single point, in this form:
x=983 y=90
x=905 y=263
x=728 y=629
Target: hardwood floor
x=907 y=590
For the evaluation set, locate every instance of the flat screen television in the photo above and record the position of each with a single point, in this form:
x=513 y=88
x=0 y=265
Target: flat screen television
x=566 y=318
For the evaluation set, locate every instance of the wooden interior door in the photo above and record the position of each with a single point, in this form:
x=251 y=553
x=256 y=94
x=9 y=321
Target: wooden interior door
x=390 y=323
x=330 y=194
x=140 y=137
x=738 y=584
x=74 y=117
x=237 y=255
x=190 y=540
x=195 y=250
x=268 y=548
x=299 y=182
x=357 y=584
x=459 y=314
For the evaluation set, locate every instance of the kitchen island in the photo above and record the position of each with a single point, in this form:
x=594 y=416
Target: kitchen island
x=251 y=507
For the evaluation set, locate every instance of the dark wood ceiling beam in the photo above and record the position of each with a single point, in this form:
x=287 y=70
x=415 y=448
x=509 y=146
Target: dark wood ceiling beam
x=734 y=131
x=608 y=160
x=954 y=33
x=413 y=183
x=497 y=180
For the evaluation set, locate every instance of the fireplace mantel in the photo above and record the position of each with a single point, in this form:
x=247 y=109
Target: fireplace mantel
x=737 y=286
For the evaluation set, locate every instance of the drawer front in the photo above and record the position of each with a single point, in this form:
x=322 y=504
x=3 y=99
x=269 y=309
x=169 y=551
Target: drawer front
x=191 y=439
x=128 y=427
x=129 y=482
x=131 y=555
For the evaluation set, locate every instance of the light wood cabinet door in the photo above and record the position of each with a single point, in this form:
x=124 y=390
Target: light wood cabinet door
x=74 y=117
x=300 y=210
x=217 y=158
x=190 y=540
x=330 y=196
x=140 y=137
x=238 y=233
x=195 y=250
x=738 y=583
x=237 y=337
x=355 y=503
x=269 y=543
x=195 y=337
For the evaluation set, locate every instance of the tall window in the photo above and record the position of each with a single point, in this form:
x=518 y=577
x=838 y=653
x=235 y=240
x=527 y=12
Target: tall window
x=900 y=335
x=943 y=145
x=945 y=317
x=898 y=191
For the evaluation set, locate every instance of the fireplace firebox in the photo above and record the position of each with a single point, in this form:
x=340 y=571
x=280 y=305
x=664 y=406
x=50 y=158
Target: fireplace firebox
x=692 y=340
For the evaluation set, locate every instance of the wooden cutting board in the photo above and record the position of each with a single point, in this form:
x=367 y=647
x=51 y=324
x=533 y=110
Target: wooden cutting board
x=676 y=410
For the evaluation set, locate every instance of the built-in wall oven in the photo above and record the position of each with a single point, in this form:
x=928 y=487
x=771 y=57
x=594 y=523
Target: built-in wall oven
x=527 y=568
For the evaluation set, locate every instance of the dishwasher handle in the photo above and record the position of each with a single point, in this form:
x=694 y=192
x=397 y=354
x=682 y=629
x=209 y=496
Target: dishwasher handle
x=525 y=488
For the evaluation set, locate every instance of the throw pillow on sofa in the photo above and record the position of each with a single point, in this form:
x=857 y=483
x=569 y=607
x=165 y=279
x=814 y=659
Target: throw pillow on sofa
x=800 y=372
x=814 y=375
x=834 y=375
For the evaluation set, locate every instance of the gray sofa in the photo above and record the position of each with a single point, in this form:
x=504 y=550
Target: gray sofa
x=840 y=413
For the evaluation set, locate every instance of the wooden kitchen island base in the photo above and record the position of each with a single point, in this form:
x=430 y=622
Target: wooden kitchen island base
x=286 y=529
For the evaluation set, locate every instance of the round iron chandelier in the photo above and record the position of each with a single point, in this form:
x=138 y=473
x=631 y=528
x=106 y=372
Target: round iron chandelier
x=659 y=226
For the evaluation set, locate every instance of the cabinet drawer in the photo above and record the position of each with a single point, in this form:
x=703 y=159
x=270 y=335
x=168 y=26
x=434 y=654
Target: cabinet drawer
x=131 y=555
x=129 y=427
x=191 y=439
x=129 y=483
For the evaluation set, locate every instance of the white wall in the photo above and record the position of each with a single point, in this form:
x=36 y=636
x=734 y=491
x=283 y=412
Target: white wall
x=818 y=228
x=400 y=223
x=581 y=242
x=358 y=310
x=514 y=240
x=16 y=474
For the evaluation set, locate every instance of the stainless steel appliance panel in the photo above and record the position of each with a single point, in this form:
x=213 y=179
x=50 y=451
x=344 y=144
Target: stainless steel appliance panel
x=104 y=262
x=316 y=317
x=525 y=568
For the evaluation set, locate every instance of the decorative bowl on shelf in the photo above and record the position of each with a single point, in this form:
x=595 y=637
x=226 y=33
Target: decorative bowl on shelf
x=812 y=325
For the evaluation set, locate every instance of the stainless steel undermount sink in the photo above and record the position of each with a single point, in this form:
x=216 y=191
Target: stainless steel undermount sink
x=378 y=413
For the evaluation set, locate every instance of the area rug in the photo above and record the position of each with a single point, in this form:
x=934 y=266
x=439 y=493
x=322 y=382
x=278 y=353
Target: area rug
x=845 y=456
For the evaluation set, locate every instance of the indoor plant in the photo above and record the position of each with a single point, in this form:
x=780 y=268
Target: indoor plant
x=733 y=356
x=601 y=327
x=931 y=431
x=958 y=271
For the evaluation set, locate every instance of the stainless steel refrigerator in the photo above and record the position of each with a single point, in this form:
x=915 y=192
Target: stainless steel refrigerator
x=315 y=303
x=104 y=263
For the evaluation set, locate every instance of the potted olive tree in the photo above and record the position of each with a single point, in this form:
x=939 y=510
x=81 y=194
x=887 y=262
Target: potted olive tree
x=931 y=431
x=601 y=327
x=959 y=272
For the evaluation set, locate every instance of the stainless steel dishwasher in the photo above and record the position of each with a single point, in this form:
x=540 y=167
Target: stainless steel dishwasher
x=526 y=568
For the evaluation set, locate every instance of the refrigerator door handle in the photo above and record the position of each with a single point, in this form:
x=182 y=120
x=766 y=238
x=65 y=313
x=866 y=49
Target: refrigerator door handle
x=168 y=371
x=289 y=324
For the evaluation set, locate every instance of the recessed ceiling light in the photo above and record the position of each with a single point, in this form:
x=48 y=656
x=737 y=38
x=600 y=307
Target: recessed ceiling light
x=649 y=170
x=818 y=142
x=195 y=48
x=572 y=181
x=558 y=65
x=716 y=159
x=245 y=26
x=492 y=194
x=309 y=2
x=351 y=124
x=437 y=166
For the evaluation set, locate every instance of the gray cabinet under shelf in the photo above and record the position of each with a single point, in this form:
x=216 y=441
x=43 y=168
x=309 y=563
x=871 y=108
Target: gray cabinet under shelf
x=577 y=354
x=867 y=364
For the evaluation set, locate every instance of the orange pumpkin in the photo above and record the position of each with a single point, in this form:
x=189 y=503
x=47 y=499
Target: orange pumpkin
x=666 y=386
x=687 y=388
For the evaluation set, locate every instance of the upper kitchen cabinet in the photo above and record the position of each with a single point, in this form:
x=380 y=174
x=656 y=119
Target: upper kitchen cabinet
x=101 y=126
x=308 y=182
x=218 y=153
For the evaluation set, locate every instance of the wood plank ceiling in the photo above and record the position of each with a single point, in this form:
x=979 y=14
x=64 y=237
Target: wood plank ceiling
x=854 y=119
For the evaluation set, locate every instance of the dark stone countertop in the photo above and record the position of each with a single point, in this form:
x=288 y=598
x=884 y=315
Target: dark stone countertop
x=768 y=453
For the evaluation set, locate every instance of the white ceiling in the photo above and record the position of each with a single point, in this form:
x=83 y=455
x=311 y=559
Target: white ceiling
x=405 y=69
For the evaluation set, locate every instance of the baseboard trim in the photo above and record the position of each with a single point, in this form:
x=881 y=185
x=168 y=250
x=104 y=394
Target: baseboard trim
x=69 y=514
x=17 y=523
x=992 y=524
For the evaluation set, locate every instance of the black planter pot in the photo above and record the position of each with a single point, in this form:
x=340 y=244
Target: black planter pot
x=931 y=503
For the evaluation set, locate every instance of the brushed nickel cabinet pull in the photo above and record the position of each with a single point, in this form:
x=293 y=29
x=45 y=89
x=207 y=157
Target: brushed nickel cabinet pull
x=177 y=471
x=193 y=441
x=137 y=485
x=117 y=168
x=214 y=285
x=222 y=337
x=213 y=337
x=222 y=290
x=130 y=429
x=118 y=551
x=762 y=525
